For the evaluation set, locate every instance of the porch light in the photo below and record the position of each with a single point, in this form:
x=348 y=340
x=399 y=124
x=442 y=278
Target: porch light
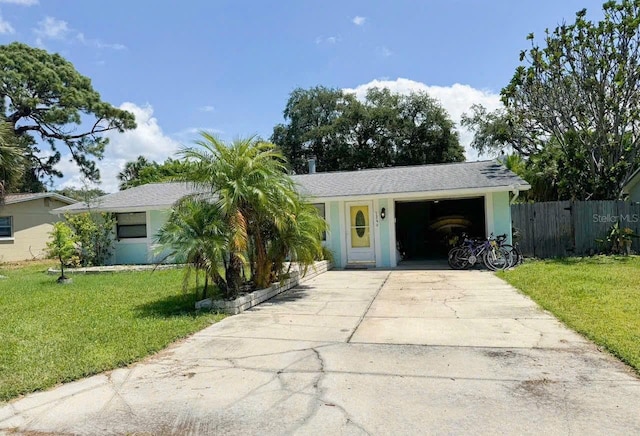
x=383 y=213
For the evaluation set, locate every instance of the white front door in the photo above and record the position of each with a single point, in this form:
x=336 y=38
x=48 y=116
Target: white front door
x=360 y=241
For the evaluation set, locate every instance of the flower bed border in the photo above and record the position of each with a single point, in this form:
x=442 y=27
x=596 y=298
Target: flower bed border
x=254 y=298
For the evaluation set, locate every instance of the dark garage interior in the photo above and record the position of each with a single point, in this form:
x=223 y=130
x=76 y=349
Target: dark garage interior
x=424 y=228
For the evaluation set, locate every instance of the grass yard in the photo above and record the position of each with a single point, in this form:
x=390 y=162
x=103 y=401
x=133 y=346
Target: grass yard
x=598 y=297
x=51 y=333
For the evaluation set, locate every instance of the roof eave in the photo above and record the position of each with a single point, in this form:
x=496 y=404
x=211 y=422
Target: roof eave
x=462 y=192
x=129 y=209
x=41 y=195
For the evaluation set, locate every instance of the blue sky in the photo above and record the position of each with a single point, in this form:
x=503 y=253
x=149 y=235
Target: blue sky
x=229 y=66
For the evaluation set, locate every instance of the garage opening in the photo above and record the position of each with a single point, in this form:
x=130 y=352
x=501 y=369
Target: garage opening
x=425 y=229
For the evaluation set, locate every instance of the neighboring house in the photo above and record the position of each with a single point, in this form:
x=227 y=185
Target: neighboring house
x=25 y=223
x=376 y=217
x=632 y=187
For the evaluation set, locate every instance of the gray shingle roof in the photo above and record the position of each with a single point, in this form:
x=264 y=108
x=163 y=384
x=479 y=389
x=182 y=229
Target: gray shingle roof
x=395 y=180
x=151 y=196
x=408 y=179
x=19 y=198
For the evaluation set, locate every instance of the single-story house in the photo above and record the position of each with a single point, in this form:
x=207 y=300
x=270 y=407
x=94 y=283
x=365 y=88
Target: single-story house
x=376 y=217
x=632 y=187
x=25 y=224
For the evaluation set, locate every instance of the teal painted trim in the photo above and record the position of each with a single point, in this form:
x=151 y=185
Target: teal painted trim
x=131 y=253
x=385 y=235
x=334 y=241
x=501 y=214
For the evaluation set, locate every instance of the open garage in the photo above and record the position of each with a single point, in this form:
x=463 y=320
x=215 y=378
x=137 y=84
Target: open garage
x=425 y=228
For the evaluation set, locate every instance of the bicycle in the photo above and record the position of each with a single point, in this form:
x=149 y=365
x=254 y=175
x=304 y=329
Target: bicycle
x=512 y=251
x=471 y=251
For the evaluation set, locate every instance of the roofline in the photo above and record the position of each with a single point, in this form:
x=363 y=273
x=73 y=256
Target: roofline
x=395 y=195
x=58 y=211
x=632 y=181
x=39 y=195
x=399 y=167
x=428 y=194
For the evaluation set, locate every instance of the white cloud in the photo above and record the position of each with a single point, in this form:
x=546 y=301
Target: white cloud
x=207 y=108
x=456 y=99
x=20 y=2
x=328 y=40
x=5 y=27
x=97 y=43
x=52 y=28
x=147 y=139
x=384 y=51
x=358 y=20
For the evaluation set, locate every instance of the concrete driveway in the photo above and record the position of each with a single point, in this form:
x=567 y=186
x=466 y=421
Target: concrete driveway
x=359 y=352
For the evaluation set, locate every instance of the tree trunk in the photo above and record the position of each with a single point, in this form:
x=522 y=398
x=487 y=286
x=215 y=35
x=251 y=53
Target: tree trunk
x=263 y=270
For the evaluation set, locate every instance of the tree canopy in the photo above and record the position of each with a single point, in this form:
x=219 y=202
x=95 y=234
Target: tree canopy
x=142 y=171
x=46 y=101
x=385 y=129
x=572 y=109
x=85 y=194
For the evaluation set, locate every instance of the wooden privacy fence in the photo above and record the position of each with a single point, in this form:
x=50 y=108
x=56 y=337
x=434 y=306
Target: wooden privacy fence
x=570 y=228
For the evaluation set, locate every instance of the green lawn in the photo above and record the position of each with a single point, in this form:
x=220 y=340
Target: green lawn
x=598 y=297
x=51 y=333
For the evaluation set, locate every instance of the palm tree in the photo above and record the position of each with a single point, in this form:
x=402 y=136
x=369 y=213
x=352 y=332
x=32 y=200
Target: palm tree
x=11 y=159
x=196 y=234
x=298 y=237
x=130 y=175
x=248 y=179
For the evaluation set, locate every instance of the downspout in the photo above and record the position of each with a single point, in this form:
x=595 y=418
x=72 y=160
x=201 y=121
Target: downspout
x=515 y=189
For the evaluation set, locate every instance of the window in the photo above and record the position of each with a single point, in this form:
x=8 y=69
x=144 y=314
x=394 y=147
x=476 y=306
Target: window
x=131 y=225
x=6 y=228
x=320 y=208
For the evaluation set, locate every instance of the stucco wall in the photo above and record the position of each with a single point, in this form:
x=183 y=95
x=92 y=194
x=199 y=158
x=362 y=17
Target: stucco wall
x=131 y=253
x=385 y=233
x=501 y=214
x=32 y=224
x=334 y=237
x=156 y=220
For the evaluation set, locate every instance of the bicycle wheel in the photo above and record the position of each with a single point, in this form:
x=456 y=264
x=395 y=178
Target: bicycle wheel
x=457 y=259
x=512 y=255
x=495 y=259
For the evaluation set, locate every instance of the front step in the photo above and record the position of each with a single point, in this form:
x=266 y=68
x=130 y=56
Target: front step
x=360 y=265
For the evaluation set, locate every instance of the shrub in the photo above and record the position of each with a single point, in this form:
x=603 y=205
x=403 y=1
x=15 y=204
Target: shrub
x=94 y=235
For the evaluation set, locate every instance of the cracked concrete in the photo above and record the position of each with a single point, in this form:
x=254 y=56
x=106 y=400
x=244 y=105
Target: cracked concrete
x=358 y=353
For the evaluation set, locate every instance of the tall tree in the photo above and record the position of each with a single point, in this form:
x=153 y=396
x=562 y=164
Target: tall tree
x=45 y=99
x=11 y=160
x=130 y=174
x=85 y=194
x=575 y=103
x=142 y=171
x=385 y=129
